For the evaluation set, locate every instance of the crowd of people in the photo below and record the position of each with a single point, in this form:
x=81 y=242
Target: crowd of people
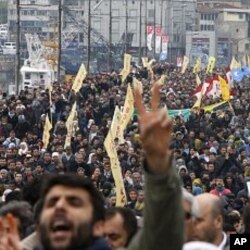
x=209 y=151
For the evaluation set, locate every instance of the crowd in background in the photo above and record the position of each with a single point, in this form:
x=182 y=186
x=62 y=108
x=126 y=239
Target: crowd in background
x=211 y=149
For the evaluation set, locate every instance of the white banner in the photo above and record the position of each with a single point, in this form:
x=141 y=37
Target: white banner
x=165 y=44
x=157 y=40
x=150 y=32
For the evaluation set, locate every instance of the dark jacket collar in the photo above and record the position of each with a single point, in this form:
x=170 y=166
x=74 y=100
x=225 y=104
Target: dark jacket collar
x=98 y=244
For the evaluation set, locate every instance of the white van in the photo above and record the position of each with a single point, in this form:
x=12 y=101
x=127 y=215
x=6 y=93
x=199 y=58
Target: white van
x=3 y=31
x=9 y=48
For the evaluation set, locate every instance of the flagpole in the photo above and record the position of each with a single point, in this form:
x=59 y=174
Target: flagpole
x=154 y=36
x=89 y=33
x=17 y=66
x=140 y=35
x=126 y=26
x=146 y=24
x=110 y=34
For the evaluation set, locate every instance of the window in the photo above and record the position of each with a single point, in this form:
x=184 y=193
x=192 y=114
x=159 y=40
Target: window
x=247 y=46
x=176 y=38
x=27 y=76
x=32 y=12
x=132 y=13
x=115 y=26
x=151 y=13
x=132 y=26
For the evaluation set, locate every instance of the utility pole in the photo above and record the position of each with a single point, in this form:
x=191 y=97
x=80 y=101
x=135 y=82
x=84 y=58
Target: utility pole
x=59 y=40
x=89 y=34
x=126 y=26
x=17 y=69
x=146 y=24
x=110 y=35
x=140 y=31
x=161 y=22
x=154 y=36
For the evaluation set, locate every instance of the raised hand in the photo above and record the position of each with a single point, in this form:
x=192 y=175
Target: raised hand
x=155 y=130
x=9 y=237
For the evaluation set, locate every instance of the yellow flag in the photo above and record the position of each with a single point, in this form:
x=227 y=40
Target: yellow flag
x=81 y=75
x=197 y=66
x=137 y=84
x=150 y=69
x=144 y=62
x=197 y=104
x=213 y=106
x=50 y=88
x=109 y=145
x=128 y=109
x=121 y=199
x=116 y=130
x=211 y=64
x=161 y=81
x=234 y=64
x=126 y=66
x=244 y=59
x=248 y=61
x=225 y=92
x=198 y=80
x=46 y=129
x=148 y=64
x=69 y=126
x=184 y=64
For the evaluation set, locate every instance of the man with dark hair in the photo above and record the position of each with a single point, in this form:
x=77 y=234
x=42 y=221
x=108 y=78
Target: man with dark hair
x=120 y=226
x=72 y=213
x=22 y=212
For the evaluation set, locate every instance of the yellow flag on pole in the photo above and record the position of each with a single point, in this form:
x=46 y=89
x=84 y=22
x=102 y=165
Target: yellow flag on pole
x=244 y=59
x=137 y=85
x=69 y=126
x=197 y=66
x=225 y=92
x=248 y=60
x=126 y=66
x=161 y=81
x=211 y=64
x=148 y=64
x=213 y=106
x=198 y=80
x=109 y=145
x=128 y=109
x=184 y=64
x=81 y=75
x=144 y=62
x=121 y=199
x=46 y=130
x=197 y=104
x=116 y=130
x=234 y=64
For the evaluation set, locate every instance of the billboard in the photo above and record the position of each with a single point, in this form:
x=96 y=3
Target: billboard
x=223 y=52
x=200 y=49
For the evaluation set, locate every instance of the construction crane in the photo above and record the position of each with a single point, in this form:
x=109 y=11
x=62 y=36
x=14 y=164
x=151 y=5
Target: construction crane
x=99 y=43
